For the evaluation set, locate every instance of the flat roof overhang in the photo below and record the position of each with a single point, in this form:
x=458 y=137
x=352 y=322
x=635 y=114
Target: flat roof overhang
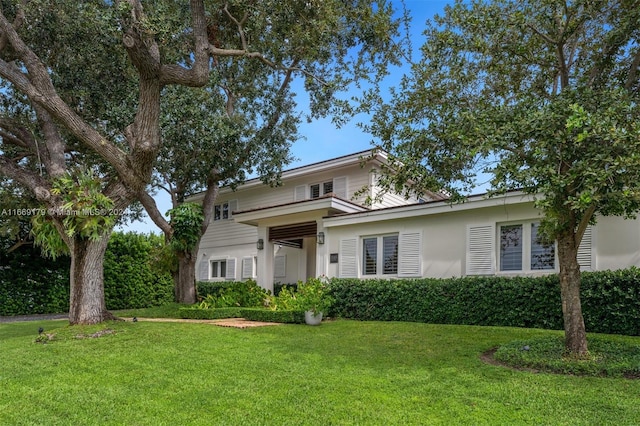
x=297 y=211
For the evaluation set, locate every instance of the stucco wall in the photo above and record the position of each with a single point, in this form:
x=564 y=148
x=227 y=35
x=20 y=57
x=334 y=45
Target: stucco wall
x=616 y=242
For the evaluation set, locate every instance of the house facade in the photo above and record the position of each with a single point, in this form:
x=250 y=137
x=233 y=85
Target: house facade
x=318 y=223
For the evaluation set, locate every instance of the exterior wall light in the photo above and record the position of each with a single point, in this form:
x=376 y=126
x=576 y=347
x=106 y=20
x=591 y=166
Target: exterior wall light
x=320 y=237
x=260 y=244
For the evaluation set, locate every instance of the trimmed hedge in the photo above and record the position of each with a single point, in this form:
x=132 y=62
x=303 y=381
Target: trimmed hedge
x=133 y=277
x=610 y=301
x=31 y=284
x=267 y=315
x=219 y=313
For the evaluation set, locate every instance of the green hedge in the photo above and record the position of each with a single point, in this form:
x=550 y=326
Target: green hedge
x=219 y=313
x=610 y=300
x=31 y=284
x=267 y=315
x=134 y=277
x=213 y=288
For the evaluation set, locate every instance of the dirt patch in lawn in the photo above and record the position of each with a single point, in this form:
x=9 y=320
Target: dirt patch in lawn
x=227 y=322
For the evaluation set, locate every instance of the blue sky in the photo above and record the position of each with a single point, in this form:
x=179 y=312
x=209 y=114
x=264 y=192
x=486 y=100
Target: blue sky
x=321 y=140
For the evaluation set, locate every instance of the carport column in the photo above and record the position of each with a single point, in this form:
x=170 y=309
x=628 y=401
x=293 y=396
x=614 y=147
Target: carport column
x=265 y=260
x=321 y=250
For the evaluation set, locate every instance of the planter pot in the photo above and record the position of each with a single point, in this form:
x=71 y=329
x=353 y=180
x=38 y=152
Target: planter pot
x=312 y=319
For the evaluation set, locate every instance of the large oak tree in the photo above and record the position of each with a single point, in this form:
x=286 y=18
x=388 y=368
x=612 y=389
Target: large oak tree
x=543 y=96
x=83 y=83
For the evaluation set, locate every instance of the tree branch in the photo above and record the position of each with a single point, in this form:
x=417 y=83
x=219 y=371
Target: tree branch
x=36 y=184
x=633 y=71
x=152 y=210
x=584 y=222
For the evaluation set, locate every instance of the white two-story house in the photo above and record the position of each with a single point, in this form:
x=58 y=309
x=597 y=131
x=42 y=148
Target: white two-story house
x=317 y=223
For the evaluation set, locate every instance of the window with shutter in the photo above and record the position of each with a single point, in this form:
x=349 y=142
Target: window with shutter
x=203 y=270
x=233 y=206
x=231 y=269
x=340 y=187
x=585 y=252
x=300 y=193
x=380 y=255
x=248 y=264
x=410 y=254
x=480 y=250
x=348 y=266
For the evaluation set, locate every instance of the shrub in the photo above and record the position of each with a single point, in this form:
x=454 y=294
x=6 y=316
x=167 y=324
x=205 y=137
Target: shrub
x=195 y=313
x=610 y=301
x=214 y=288
x=31 y=284
x=132 y=279
x=267 y=315
x=239 y=293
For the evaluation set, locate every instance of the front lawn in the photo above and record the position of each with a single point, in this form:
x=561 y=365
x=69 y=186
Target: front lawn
x=342 y=372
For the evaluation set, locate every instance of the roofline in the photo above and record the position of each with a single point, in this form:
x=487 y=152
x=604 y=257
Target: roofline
x=304 y=206
x=428 y=208
x=379 y=156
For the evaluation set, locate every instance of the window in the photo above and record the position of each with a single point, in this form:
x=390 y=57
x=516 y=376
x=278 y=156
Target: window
x=218 y=269
x=543 y=255
x=511 y=248
x=319 y=189
x=380 y=255
x=224 y=210
x=521 y=248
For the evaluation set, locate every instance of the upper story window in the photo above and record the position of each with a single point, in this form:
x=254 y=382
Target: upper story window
x=319 y=189
x=224 y=210
x=521 y=248
x=380 y=255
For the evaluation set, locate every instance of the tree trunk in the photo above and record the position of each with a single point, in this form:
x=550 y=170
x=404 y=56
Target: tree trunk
x=87 y=304
x=186 y=277
x=575 y=335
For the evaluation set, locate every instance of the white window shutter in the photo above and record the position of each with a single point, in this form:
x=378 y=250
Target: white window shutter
x=480 y=250
x=300 y=193
x=585 y=251
x=247 y=267
x=203 y=270
x=348 y=258
x=233 y=206
x=280 y=266
x=231 y=269
x=340 y=187
x=410 y=254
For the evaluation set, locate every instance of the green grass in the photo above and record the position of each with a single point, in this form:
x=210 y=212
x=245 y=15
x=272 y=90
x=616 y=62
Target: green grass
x=340 y=373
x=613 y=356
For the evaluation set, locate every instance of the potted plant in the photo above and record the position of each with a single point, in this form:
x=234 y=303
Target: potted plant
x=314 y=300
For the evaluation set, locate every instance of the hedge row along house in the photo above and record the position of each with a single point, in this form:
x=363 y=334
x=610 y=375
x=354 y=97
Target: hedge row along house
x=319 y=223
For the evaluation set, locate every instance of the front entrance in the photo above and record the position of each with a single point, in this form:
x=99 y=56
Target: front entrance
x=295 y=251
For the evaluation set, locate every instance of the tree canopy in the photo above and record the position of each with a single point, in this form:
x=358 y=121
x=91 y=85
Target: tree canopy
x=543 y=96
x=82 y=84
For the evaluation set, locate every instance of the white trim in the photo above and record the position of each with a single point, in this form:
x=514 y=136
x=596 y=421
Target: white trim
x=425 y=209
